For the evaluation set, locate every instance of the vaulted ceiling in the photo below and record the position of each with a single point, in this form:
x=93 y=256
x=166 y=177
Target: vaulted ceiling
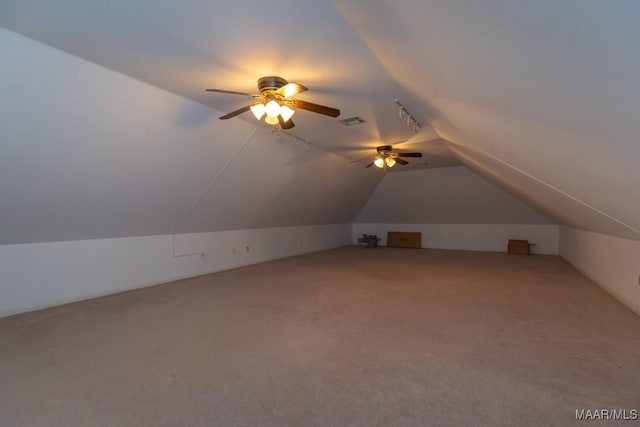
x=539 y=97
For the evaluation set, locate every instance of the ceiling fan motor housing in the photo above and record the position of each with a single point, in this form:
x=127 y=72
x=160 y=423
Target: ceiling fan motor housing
x=384 y=149
x=270 y=83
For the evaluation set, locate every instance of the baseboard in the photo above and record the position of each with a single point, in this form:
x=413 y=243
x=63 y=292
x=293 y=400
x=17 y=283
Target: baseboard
x=154 y=283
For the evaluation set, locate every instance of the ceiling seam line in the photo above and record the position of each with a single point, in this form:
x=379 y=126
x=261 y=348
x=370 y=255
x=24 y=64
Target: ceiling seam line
x=215 y=179
x=557 y=190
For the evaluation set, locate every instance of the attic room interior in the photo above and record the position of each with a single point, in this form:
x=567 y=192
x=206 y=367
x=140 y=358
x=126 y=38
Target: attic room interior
x=305 y=213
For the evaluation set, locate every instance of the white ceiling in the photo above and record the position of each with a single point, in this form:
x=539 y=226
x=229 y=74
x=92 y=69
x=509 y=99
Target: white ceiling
x=187 y=46
x=543 y=92
x=541 y=97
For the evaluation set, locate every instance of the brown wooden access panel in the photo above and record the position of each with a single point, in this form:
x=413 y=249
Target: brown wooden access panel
x=404 y=239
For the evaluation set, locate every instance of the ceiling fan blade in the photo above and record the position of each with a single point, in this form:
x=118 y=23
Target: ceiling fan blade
x=291 y=89
x=285 y=125
x=321 y=109
x=235 y=113
x=402 y=162
x=369 y=165
x=409 y=154
x=232 y=92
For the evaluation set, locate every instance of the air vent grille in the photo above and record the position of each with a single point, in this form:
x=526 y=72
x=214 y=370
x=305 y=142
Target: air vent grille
x=352 y=121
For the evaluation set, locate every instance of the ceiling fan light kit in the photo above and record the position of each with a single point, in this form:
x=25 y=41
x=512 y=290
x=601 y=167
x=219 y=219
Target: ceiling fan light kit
x=258 y=110
x=271 y=120
x=387 y=158
x=381 y=162
x=286 y=112
x=272 y=108
x=275 y=103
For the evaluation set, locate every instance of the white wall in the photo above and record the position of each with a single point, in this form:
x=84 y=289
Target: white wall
x=473 y=237
x=452 y=195
x=89 y=153
x=453 y=208
x=38 y=275
x=612 y=262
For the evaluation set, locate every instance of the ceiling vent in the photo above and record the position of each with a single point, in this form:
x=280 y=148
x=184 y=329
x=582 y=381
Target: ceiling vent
x=352 y=121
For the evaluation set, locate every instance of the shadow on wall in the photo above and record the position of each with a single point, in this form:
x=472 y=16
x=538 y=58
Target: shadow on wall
x=195 y=115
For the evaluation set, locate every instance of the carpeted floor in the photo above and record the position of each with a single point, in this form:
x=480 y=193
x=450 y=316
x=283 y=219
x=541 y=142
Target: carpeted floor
x=348 y=337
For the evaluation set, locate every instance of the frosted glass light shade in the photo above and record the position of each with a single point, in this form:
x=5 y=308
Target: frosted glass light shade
x=286 y=112
x=273 y=108
x=258 y=110
x=379 y=162
x=390 y=161
x=271 y=120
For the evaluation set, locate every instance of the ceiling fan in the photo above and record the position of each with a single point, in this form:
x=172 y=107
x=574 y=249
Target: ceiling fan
x=275 y=102
x=388 y=158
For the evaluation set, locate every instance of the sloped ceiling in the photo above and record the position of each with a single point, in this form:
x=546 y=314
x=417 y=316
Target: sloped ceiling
x=544 y=92
x=539 y=97
x=90 y=153
x=187 y=46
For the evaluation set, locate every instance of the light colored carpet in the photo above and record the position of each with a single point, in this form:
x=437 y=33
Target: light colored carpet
x=348 y=337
